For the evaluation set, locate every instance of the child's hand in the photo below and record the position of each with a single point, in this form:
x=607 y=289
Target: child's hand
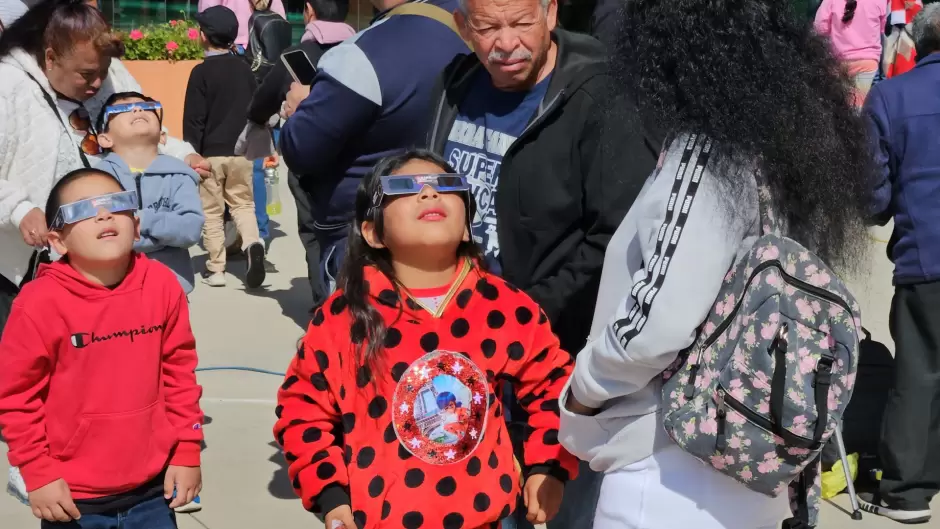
x=53 y=502
x=186 y=480
x=542 y=494
x=340 y=517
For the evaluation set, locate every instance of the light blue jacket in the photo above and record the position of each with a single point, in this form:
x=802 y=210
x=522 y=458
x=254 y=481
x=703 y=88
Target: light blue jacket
x=170 y=213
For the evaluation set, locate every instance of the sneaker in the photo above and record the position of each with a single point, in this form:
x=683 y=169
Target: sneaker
x=874 y=504
x=193 y=506
x=16 y=487
x=255 y=275
x=214 y=279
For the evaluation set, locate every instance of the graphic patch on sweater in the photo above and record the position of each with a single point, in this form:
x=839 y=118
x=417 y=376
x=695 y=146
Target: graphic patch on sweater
x=83 y=339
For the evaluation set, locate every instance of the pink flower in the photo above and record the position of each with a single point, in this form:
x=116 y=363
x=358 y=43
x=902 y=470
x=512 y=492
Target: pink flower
x=816 y=306
x=136 y=34
x=689 y=428
x=767 y=330
x=729 y=459
x=803 y=331
x=771 y=252
x=827 y=342
x=192 y=33
x=804 y=308
x=734 y=442
x=820 y=279
x=772 y=280
x=738 y=394
x=835 y=310
x=789 y=290
x=746 y=474
x=807 y=364
x=709 y=426
x=173 y=23
x=718 y=461
x=710 y=327
x=171 y=46
x=745 y=457
x=749 y=338
x=794 y=451
x=811 y=269
x=763 y=407
x=736 y=418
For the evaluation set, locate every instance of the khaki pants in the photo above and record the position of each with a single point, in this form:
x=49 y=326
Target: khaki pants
x=230 y=183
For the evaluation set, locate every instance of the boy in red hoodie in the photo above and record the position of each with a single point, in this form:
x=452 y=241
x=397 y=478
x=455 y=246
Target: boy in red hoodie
x=98 y=396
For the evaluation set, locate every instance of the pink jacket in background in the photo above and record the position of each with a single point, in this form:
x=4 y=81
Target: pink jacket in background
x=243 y=10
x=860 y=38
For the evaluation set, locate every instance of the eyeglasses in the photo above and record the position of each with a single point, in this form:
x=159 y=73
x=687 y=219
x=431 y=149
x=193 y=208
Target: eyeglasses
x=80 y=121
x=397 y=185
x=88 y=208
x=113 y=110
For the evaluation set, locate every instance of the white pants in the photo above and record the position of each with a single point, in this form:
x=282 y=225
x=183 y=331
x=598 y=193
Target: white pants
x=673 y=490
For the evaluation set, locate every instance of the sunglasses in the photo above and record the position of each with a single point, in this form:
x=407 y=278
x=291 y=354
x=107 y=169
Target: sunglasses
x=113 y=110
x=403 y=184
x=88 y=208
x=80 y=121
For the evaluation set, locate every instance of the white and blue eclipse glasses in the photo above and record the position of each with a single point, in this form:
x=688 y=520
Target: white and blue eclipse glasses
x=411 y=184
x=88 y=208
x=113 y=110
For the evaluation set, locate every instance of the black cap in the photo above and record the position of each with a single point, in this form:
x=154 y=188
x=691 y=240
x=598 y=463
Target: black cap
x=220 y=25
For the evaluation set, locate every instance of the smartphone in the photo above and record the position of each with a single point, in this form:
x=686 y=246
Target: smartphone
x=298 y=64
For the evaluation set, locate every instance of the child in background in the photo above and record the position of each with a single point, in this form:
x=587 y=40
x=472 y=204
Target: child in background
x=215 y=114
x=415 y=324
x=855 y=29
x=98 y=396
x=167 y=189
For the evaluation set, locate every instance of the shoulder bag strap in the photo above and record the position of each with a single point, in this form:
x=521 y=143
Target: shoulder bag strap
x=55 y=110
x=431 y=11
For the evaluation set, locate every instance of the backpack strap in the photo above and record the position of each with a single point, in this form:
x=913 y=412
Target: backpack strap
x=55 y=110
x=431 y=11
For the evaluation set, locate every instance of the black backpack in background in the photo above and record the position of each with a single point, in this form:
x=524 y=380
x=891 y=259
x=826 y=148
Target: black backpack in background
x=269 y=35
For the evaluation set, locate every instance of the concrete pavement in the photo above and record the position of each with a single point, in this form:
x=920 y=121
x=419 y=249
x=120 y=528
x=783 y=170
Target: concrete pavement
x=245 y=480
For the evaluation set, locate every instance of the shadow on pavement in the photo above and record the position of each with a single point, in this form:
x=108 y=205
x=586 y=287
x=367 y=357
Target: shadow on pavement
x=280 y=486
x=295 y=301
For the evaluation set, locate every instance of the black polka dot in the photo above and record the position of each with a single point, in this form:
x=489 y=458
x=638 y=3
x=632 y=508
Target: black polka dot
x=342 y=392
x=289 y=381
x=512 y=287
x=357 y=333
x=495 y=319
x=322 y=359
x=338 y=305
x=541 y=356
x=349 y=422
x=504 y=513
x=446 y=486
x=487 y=290
x=505 y=483
x=392 y=338
x=453 y=520
x=460 y=328
x=386 y=509
x=481 y=502
x=301 y=352
x=319 y=456
x=414 y=478
x=388 y=297
x=515 y=351
x=473 y=466
x=492 y=399
x=363 y=376
x=318 y=318
x=326 y=470
x=360 y=519
x=464 y=297
x=523 y=315
x=550 y=437
x=347 y=455
x=318 y=381
x=488 y=347
x=497 y=412
x=312 y=435
x=365 y=457
x=493 y=462
x=403 y=453
x=429 y=342
x=279 y=410
x=398 y=370
x=377 y=407
x=376 y=486
x=412 y=520
x=290 y=458
x=296 y=482
x=550 y=405
x=389 y=435
x=557 y=373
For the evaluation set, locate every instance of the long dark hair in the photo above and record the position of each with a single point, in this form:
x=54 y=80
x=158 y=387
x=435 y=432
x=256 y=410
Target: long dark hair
x=766 y=89
x=60 y=24
x=368 y=327
x=849 y=12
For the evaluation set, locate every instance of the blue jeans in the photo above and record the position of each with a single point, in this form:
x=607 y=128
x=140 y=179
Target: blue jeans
x=150 y=514
x=331 y=260
x=261 y=194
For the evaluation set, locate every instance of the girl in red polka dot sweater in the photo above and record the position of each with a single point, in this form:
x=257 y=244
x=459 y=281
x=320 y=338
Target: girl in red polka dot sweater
x=388 y=415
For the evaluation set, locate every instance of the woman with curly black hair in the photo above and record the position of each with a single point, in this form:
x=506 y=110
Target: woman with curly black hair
x=755 y=106
x=854 y=29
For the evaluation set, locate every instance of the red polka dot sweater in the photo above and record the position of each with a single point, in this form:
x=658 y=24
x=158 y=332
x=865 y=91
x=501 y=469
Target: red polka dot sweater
x=421 y=442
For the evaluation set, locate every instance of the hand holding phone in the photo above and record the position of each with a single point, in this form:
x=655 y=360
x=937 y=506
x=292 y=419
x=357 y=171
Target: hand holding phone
x=298 y=64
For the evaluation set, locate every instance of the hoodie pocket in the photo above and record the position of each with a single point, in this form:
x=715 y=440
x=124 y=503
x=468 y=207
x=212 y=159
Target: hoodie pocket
x=119 y=449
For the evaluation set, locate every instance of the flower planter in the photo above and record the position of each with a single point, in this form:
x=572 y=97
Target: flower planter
x=166 y=82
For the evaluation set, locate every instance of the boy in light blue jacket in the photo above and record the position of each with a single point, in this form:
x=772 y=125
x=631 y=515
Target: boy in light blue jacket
x=170 y=212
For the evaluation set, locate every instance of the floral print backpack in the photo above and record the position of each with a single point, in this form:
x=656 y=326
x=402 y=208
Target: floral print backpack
x=765 y=383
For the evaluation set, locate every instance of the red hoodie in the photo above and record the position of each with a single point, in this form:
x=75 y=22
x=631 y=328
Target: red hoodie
x=97 y=385
x=372 y=437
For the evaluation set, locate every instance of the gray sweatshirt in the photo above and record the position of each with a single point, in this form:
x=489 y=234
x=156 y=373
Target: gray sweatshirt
x=629 y=346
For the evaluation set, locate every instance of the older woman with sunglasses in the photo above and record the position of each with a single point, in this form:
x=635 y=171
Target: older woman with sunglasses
x=57 y=67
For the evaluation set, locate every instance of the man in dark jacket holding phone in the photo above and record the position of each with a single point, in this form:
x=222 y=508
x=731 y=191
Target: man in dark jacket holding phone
x=526 y=120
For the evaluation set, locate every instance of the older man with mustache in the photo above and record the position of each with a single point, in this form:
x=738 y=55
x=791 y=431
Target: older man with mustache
x=525 y=119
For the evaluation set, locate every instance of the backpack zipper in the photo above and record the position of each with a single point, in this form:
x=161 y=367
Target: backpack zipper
x=723 y=402
x=787 y=278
